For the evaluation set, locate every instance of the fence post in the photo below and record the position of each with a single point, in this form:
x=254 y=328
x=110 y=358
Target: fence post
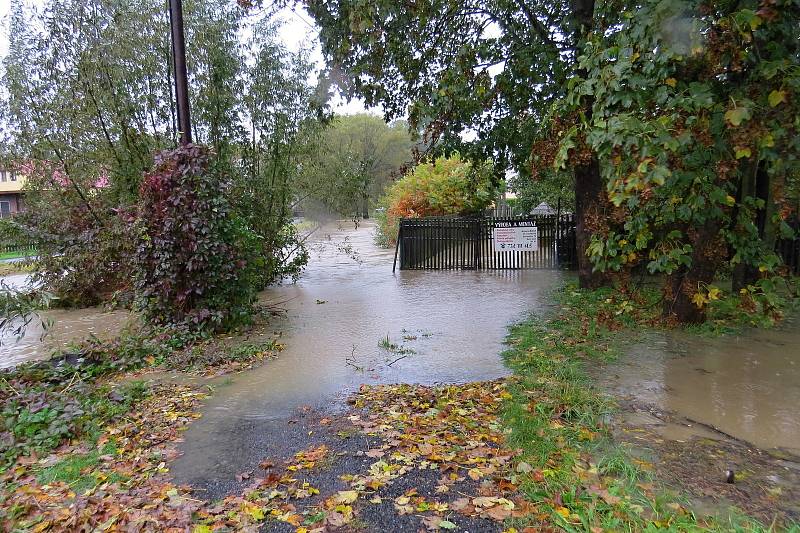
x=397 y=245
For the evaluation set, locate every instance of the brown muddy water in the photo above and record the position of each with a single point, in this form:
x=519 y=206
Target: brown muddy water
x=746 y=386
x=446 y=327
x=56 y=330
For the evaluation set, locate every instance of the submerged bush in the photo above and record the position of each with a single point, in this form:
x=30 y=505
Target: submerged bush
x=445 y=186
x=196 y=261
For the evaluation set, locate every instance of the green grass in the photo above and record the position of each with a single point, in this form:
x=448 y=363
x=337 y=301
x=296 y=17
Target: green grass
x=79 y=471
x=16 y=254
x=387 y=344
x=76 y=414
x=557 y=418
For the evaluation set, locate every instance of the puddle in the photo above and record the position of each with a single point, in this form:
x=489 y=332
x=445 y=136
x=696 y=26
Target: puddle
x=447 y=327
x=746 y=386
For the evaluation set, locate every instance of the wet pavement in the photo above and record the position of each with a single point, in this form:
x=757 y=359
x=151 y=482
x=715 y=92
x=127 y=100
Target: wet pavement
x=445 y=327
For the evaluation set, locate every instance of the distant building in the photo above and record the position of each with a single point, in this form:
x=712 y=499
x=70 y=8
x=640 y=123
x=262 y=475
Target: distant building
x=543 y=209
x=11 y=193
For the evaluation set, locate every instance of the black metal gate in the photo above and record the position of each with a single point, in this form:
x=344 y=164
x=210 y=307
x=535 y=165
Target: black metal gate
x=462 y=243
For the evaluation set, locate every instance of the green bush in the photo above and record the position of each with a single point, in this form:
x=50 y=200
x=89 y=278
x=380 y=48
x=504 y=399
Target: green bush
x=197 y=262
x=445 y=186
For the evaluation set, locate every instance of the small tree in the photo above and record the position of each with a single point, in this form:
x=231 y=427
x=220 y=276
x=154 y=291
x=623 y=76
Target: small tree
x=446 y=186
x=196 y=262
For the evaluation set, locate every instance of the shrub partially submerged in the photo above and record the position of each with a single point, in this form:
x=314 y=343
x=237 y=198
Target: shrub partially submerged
x=196 y=261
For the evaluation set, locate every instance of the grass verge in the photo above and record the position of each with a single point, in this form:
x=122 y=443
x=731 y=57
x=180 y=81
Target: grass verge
x=571 y=467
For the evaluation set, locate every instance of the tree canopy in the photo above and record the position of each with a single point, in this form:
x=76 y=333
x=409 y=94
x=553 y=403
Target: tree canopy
x=675 y=120
x=357 y=157
x=88 y=103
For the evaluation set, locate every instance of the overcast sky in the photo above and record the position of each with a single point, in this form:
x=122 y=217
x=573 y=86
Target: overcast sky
x=297 y=29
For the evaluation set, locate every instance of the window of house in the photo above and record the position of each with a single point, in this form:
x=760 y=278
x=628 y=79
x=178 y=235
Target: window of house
x=3 y=176
x=13 y=176
x=5 y=208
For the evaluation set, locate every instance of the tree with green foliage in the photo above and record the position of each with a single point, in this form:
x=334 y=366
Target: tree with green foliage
x=694 y=120
x=443 y=186
x=357 y=157
x=88 y=102
x=286 y=117
x=556 y=190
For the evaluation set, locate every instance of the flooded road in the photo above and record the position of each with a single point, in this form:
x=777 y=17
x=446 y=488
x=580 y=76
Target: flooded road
x=746 y=386
x=445 y=327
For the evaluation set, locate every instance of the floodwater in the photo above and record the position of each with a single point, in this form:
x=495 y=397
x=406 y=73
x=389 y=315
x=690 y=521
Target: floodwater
x=63 y=327
x=747 y=386
x=447 y=327
x=55 y=329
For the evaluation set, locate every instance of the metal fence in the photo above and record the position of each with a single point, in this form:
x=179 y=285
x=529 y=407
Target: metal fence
x=19 y=249
x=461 y=243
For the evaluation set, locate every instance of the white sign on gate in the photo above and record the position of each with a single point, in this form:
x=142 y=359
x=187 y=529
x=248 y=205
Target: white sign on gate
x=516 y=238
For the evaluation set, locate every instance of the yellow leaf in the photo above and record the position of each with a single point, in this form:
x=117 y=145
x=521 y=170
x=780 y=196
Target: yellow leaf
x=255 y=512
x=563 y=511
x=672 y=82
x=699 y=299
x=346 y=496
x=776 y=97
x=730 y=200
x=202 y=528
x=743 y=152
x=737 y=115
x=713 y=293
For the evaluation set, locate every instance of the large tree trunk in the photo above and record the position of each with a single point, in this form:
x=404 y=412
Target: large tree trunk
x=365 y=206
x=756 y=184
x=588 y=201
x=707 y=253
x=588 y=181
x=741 y=273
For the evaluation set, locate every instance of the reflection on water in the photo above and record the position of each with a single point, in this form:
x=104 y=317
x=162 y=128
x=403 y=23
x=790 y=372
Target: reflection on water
x=747 y=386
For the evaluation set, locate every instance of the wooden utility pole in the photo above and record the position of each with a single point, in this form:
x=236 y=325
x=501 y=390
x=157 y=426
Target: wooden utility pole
x=181 y=78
